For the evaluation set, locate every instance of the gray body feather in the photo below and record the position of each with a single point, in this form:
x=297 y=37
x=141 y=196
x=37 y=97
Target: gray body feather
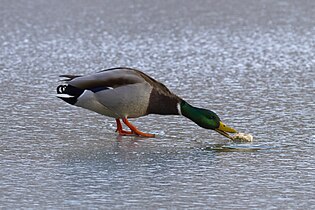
x=123 y=92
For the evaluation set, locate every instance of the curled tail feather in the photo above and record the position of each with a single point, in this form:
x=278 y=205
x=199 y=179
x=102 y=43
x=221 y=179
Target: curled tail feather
x=68 y=77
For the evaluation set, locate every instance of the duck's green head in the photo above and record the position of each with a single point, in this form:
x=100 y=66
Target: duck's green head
x=206 y=119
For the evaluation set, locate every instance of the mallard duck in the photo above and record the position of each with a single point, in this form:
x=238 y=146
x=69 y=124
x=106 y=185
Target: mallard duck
x=123 y=93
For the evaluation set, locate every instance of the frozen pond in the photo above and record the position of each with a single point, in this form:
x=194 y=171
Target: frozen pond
x=252 y=62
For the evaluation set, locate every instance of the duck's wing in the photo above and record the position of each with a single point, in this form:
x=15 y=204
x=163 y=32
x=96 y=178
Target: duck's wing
x=123 y=91
x=106 y=79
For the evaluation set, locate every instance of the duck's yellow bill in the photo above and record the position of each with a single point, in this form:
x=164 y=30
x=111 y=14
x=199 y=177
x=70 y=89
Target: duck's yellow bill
x=224 y=130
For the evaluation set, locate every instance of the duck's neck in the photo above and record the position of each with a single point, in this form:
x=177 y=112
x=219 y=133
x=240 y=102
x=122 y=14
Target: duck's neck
x=202 y=117
x=189 y=111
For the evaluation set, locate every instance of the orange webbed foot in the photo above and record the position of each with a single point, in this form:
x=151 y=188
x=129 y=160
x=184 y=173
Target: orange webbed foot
x=136 y=131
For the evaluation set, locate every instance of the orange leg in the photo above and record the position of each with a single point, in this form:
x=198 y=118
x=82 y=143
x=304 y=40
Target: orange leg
x=120 y=129
x=135 y=130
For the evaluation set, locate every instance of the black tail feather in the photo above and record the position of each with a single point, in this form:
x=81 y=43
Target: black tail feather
x=71 y=93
